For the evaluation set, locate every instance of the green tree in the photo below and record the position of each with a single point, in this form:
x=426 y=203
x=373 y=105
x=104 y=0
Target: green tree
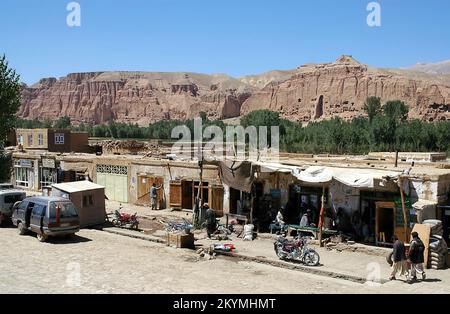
x=372 y=107
x=10 y=96
x=62 y=123
x=396 y=110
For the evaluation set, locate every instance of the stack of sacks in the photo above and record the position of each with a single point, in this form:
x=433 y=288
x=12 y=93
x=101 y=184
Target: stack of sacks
x=436 y=227
x=438 y=246
x=438 y=252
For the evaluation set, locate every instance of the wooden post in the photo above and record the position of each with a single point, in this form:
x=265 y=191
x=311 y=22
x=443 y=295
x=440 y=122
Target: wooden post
x=251 y=208
x=321 y=218
x=396 y=158
x=405 y=219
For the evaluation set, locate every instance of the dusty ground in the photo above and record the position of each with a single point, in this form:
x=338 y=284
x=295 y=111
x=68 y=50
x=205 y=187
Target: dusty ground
x=98 y=262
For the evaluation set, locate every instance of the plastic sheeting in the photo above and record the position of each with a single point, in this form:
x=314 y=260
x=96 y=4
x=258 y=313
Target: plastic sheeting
x=357 y=178
x=353 y=177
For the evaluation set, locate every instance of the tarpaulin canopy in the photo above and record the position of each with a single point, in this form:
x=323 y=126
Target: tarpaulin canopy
x=275 y=167
x=358 y=178
x=237 y=175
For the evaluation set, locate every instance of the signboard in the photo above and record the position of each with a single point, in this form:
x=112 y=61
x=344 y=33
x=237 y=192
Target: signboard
x=26 y=163
x=48 y=163
x=399 y=220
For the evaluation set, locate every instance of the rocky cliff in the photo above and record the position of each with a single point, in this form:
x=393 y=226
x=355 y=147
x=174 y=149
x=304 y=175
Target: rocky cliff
x=136 y=97
x=310 y=92
x=324 y=91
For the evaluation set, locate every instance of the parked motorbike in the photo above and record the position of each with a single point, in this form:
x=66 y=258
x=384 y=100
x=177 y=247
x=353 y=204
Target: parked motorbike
x=296 y=250
x=124 y=220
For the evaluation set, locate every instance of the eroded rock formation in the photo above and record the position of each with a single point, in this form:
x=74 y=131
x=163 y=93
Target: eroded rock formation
x=340 y=89
x=310 y=92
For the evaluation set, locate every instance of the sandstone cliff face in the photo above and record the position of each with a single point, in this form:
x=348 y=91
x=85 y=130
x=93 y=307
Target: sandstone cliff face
x=308 y=93
x=134 y=97
x=323 y=91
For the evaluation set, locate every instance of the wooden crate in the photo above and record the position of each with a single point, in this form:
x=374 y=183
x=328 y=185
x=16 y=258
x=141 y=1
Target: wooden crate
x=180 y=240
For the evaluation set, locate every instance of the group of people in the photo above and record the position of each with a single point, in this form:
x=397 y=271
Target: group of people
x=305 y=221
x=415 y=259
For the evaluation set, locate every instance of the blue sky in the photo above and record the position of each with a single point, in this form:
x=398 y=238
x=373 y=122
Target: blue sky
x=236 y=37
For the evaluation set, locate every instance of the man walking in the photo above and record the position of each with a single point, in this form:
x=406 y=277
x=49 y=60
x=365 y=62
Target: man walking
x=416 y=257
x=399 y=259
x=154 y=196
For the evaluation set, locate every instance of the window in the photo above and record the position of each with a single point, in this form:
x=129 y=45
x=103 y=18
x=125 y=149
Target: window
x=20 y=139
x=39 y=210
x=40 y=139
x=22 y=178
x=67 y=210
x=23 y=205
x=88 y=200
x=48 y=177
x=59 y=138
x=30 y=139
x=11 y=199
x=110 y=169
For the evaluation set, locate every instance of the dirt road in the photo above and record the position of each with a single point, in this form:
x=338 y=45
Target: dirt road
x=98 y=262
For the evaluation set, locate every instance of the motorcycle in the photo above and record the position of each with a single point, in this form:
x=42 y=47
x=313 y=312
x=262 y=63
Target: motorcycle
x=296 y=250
x=124 y=220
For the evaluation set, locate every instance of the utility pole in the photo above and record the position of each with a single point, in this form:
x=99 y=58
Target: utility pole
x=405 y=216
x=321 y=218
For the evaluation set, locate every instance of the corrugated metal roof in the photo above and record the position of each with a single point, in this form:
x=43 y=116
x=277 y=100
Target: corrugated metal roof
x=72 y=187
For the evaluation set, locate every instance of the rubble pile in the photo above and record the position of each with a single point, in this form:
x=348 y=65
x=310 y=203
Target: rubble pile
x=115 y=144
x=154 y=150
x=207 y=253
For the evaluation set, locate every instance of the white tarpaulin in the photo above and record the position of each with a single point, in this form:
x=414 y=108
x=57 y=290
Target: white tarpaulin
x=275 y=167
x=353 y=177
x=314 y=175
x=358 y=178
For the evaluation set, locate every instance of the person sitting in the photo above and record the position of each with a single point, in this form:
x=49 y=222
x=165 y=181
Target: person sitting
x=279 y=220
x=306 y=220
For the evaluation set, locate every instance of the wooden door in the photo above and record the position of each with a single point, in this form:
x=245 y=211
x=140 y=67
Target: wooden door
x=176 y=194
x=385 y=211
x=216 y=199
x=144 y=185
x=187 y=195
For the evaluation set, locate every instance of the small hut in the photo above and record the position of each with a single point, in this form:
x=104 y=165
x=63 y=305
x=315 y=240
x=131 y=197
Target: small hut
x=88 y=198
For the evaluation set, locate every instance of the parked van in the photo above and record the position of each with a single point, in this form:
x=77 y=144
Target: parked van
x=46 y=216
x=7 y=200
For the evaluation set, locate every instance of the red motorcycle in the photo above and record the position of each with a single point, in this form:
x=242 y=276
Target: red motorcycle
x=296 y=250
x=124 y=220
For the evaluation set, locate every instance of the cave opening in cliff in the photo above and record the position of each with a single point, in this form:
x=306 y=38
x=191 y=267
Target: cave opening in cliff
x=319 y=108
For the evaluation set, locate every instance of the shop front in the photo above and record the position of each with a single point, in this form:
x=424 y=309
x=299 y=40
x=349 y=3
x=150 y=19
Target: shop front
x=48 y=173
x=24 y=173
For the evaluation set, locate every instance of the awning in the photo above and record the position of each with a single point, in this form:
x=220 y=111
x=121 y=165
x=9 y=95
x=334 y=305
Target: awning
x=275 y=167
x=237 y=175
x=314 y=175
x=357 y=178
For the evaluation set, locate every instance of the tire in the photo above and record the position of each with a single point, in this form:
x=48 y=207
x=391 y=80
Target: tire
x=41 y=237
x=115 y=223
x=311 y=258
x=389 y=258
x=280 y=255
x=21 y=228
